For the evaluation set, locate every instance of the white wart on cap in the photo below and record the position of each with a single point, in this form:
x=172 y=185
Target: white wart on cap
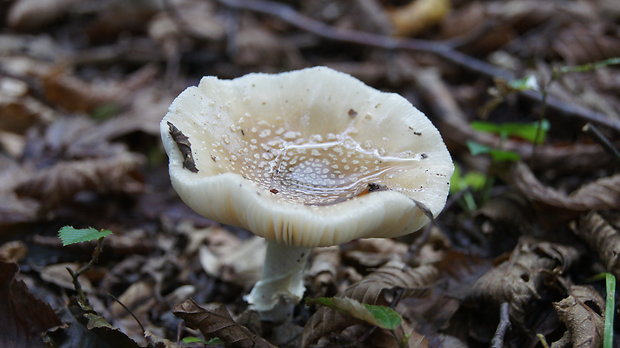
x=312 y=157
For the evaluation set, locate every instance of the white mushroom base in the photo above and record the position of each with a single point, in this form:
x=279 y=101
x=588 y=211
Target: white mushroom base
x=281 y=285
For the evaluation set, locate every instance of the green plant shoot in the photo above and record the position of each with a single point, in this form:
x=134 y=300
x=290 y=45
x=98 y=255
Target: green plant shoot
x=71 y=235
x=525 y=131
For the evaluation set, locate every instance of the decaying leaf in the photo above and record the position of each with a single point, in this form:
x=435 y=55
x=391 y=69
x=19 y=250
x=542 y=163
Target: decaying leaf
x=217 y=322
x=34 y=14
x=87 y=329
x=418 y=16
x=371 y=290
x=184 y=146
x=18 y=327
x=13 y=251
x=581 y=312
x=603 y=237
x=323 y=270
x=61 y=182
x=14 y=210
x=374 y=252
x=579 y=43
x=519 y=280
x=236 y=264
x=601 y=194
x=57 y=274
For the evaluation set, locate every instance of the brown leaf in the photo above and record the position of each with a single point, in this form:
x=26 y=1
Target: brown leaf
x=34 y=14
x=519 y=279
x=580 y=43
x=374 y=252
x=603 y=237
x=581 y=312
x=419 y=15
x=323 y=270
x=217 y=322
x=371 y=290
x=23 y=318
x=13 y=251
x=61 y=182
x=185 y=147
x=19 y=110
x=601 y=194
x=14 y=210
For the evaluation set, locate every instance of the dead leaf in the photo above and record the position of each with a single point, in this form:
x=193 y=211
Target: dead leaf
x=136 y=295
x=585 y=43
x=29 y=15
x=323 y=270
x=13 y=251
x=156 y=341
x=582 y=313
x=18 y=327
x=217 y=322
x=373 y=289
x=603 y=237
x=88 y=328
x=61 y=182
x=419 y=15
x=601 y=194
x=184 y=146
x=236 y=263
x=19 y=110
x=519 y=280
x=374 y=252
x=256 y=46
x=57 y=274
x=15 y=210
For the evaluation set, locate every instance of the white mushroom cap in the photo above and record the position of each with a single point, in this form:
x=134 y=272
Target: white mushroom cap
x=312 y=157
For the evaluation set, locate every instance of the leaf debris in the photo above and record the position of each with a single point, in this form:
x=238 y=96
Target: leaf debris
x=185 y=147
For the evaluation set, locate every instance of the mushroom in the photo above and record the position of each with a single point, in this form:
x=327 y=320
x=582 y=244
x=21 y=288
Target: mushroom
x=306 y=158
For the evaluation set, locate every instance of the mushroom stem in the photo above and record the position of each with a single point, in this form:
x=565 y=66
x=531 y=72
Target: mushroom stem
x=281 y=285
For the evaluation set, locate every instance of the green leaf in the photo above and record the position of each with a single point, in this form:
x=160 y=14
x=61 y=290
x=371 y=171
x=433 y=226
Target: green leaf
x=71 y=235
x=473 y=180
x=496 y=154
x=381 y=316
x=476 y=148
x=525 y=84
x=534 y=132
x=385 y=316
x=193 y=339
x=608 y=333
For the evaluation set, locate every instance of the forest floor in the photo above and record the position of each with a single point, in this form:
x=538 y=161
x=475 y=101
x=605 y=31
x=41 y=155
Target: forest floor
x=524 y=93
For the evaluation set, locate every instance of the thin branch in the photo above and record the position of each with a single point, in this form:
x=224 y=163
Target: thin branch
x=444 y=50
x=128 y=311
x=502 y=327
x=602 y=140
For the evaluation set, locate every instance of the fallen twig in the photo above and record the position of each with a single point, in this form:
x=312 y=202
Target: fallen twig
x=502 y=327
x=444 y=50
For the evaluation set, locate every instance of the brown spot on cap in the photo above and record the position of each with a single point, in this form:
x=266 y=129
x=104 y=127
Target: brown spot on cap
x=372 y=187
x=352 y=113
